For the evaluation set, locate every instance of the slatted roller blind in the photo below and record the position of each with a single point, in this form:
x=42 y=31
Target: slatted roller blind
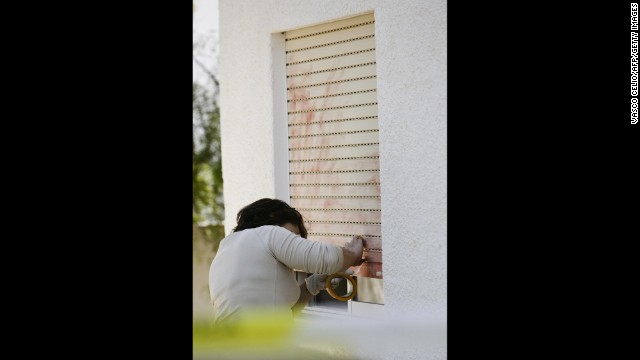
x=334 y=168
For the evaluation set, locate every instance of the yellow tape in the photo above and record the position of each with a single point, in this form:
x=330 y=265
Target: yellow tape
x=336 y=296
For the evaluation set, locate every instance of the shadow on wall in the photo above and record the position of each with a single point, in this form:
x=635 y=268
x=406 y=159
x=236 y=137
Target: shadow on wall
x=206 y=240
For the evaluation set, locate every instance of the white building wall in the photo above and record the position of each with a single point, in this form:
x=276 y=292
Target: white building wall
x=411 y=53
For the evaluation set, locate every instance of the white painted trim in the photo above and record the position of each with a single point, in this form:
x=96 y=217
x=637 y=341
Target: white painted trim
x=280 y=125
x=323 y=311
x=363 y=309
x=355 y=308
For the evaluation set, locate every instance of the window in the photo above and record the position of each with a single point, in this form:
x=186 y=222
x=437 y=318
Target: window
x=334 y=170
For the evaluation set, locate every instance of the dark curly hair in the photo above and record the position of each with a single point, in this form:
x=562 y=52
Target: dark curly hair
x=269 y=212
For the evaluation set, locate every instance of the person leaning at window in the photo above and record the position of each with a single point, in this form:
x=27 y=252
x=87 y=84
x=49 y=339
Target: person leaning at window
x=253 y=268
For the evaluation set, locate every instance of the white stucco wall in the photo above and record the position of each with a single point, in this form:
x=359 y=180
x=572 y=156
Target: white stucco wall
x=411 y=53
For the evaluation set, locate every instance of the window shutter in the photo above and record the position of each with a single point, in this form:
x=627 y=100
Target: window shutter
x=334 y=168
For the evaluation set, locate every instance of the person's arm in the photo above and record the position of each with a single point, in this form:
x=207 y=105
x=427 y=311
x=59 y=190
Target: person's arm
x=310 y=256
x=314 y=257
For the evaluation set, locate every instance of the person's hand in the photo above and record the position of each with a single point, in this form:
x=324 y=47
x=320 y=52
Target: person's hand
x=317 y=283
x=352 y=252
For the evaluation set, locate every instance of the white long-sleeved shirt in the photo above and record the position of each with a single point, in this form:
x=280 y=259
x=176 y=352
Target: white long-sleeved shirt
x=253 y=269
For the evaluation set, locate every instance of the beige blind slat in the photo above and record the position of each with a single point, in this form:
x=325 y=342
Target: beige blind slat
x=334 y=153
x=337 y=178
x=333 y=190
x=331 y=64
x=333 y=77
x=333 y=140
x=336 y=165
x=365 y=111
x=331 y=102
x=353 y=216
x=338 y=88
x=329 y=27
x=330 y=203
x=332 y=51
x=332 y=37
x=334 y=127
x=364 y=229
x=373 y=256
